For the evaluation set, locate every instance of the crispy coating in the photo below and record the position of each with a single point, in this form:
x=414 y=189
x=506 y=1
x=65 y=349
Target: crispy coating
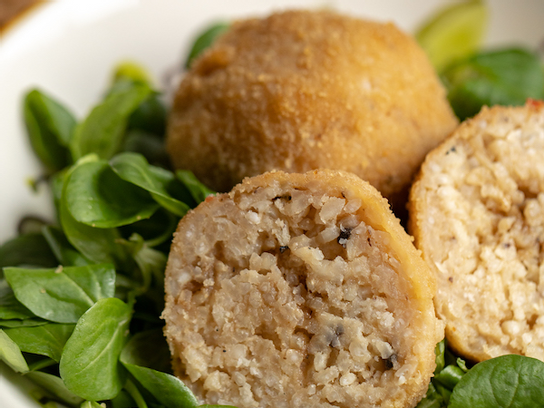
x=300 y=290
x=477 y=213
x=302 y=90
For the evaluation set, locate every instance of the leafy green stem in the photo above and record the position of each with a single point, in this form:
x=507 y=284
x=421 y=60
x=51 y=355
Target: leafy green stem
x=131 y=388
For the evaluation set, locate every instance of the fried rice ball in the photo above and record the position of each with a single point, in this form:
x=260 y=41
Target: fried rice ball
x=477 y=213
x=302 y=90
x=300 y=290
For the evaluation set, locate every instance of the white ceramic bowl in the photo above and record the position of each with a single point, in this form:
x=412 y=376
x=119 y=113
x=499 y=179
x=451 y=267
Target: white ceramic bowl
x=68 y=48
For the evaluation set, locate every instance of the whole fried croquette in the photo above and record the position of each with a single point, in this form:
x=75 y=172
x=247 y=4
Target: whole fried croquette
x=302 y=90
x=300 y=290
x=477 y=213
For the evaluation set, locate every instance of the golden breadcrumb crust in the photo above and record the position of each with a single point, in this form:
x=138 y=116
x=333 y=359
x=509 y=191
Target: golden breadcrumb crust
x=302 y=90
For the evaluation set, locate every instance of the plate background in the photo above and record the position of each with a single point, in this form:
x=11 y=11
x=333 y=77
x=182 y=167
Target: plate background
x=68 y=49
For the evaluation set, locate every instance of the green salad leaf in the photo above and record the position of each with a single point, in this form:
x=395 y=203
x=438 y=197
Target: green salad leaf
x=149 y=116
x=134 y=168
x=148 y=145
x=10 y=307
x=500 y=77
x=100 y=245
x=447 y=374
x=61 y=295
x=11 y=354
x=198 y=191
x=97 y=244
x=97 y=196
x=136 y=351
x=90 y=364
x=47 y=340
x=509 y=381
x=50 y=128
x=204 y=40
x=156 y=230
x=165 y=388
x=65 y=253
x=29 y=250
x=102 y=132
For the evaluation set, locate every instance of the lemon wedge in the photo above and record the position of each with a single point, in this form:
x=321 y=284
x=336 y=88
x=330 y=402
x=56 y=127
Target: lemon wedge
x=453 y=32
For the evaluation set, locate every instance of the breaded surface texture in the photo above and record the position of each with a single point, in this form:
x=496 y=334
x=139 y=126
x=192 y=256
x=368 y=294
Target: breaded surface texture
x=302 y=90
x=300 y=290
x=477 y=213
